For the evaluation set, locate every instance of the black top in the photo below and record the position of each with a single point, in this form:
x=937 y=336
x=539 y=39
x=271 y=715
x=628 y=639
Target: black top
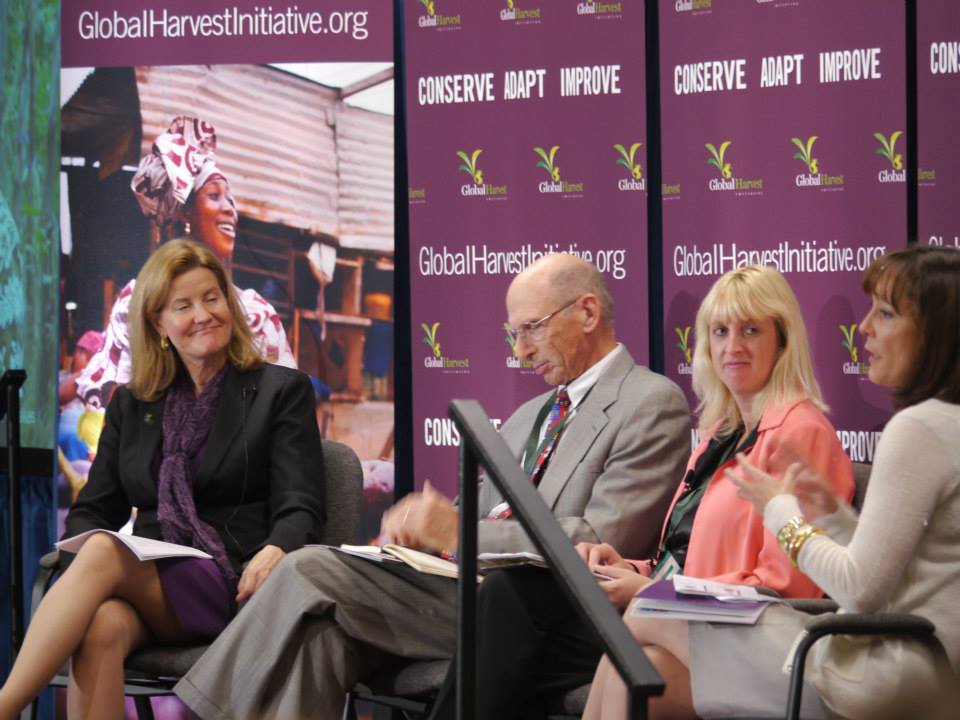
x=676 y=538
x=260 y=480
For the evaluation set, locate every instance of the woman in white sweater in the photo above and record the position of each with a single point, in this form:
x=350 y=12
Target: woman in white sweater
x=902 y=554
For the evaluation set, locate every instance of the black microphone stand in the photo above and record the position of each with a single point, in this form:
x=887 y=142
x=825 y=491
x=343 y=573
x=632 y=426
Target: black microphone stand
x=10 y=385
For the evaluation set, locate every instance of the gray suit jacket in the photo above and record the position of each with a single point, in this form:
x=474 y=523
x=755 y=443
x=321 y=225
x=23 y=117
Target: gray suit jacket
x=614 y=471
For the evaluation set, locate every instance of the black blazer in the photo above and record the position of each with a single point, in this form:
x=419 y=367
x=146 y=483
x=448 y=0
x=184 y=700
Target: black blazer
x=261 y=476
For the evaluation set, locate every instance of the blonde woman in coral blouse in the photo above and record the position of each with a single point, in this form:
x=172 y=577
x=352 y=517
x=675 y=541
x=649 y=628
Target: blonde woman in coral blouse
x=758 y=398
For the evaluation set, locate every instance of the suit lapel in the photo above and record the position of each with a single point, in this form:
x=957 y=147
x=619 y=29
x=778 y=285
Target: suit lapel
x=150 y=419
x=231 y=413
x=589 y=421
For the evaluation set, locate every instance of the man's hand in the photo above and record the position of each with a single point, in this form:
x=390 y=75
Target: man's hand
x=623 y=585
x=425 y=521
x=600 y=555
x=257 y=570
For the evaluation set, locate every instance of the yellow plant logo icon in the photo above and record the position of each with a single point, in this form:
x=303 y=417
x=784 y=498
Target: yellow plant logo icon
x=848 y=334
x=428 y=4
x=888 y=148
x=546 y=161
x=627 y=159
x=805 y=155
x=509 y=340
x=430 y=337
x=469 y=165
x=684 y=344
x=510 y=5
x=716 y=158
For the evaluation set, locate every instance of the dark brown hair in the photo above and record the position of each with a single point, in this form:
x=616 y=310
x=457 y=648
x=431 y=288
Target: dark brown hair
x=923 y=282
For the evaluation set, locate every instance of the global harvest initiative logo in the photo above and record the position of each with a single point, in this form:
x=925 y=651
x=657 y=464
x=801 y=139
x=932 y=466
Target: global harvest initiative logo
x=888 y=149
x=629 y=161
x=479 y=187
x=511 y=13
x=686 y=367
x=854 y=366
x=554 y=184
x=813 y=177
x=433 y=18
x=727 y=182
x=599 y=9
x=513 y=359
x=693 y=5
x=436 y=358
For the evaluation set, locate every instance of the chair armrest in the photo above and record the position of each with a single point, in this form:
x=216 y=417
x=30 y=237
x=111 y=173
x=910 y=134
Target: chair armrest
x=49 y=566
x=813 y=606
x=870 y=624
x=882 y=624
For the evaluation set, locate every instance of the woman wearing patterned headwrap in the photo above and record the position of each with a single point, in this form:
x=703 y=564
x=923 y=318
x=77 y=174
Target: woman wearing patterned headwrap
x=179 y=184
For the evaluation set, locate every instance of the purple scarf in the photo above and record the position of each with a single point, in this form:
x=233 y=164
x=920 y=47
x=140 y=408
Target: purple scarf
x=187 y=420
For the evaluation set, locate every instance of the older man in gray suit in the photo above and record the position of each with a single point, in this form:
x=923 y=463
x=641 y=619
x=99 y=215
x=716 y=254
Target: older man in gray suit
x=605 y=450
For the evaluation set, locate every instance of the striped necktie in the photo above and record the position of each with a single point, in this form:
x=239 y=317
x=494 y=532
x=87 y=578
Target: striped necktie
x=555 y=424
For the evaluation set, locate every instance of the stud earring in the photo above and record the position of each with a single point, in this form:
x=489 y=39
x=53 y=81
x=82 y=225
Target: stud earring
x=186 y=227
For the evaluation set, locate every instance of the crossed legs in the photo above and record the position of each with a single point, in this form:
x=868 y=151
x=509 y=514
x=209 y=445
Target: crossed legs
x=106 y=604
x=665 y=643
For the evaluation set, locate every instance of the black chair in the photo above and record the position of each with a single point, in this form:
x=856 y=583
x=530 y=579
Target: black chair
x=153 y=671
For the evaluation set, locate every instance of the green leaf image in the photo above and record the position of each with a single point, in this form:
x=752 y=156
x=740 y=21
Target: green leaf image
x=628 y=159
x=547 y=162
x=888 y=147
x=431 y=337
x=803 y=150
x=717 y=156
x=848 y=336
x=684 y=345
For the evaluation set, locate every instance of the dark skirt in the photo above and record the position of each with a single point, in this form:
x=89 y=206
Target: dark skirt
x=201 y=598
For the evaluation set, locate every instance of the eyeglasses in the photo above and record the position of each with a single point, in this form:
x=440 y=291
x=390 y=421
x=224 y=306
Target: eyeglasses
x=534 y=330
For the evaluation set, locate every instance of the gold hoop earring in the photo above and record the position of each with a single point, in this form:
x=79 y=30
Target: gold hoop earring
x=164 y=343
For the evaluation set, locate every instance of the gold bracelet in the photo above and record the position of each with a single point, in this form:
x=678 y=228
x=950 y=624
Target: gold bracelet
x=788 y=530
x=801 y=537
x=794 y=534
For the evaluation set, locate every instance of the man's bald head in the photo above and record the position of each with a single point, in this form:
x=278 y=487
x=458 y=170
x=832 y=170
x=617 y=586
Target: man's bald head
x=562 y=316
x=562 y=277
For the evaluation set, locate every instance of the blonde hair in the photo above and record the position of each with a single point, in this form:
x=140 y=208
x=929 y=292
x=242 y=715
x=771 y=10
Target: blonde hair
x=154 y=368
x=754 y=292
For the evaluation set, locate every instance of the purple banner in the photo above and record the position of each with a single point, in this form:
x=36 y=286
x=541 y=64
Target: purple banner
x=526 y=135
x=783 y=145
x=938 y=105
x=110 y=33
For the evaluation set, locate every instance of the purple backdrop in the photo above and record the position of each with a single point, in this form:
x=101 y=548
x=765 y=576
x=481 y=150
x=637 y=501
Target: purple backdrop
x=487 y=80
x=794 y=178
x=938 y=104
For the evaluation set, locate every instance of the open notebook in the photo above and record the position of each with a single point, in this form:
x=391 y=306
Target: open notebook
x=143 y=548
